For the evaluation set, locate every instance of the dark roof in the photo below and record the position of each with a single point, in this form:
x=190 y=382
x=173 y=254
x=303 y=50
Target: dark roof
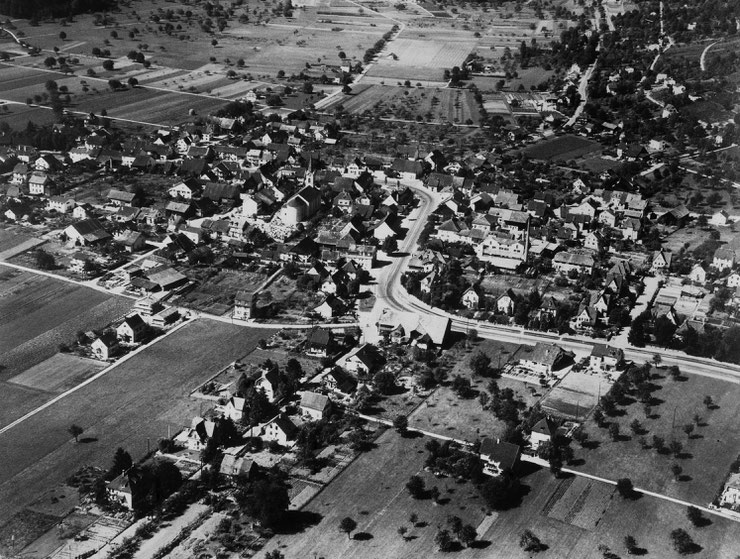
x=218 y=191
x=504 y=453
x=318 y=337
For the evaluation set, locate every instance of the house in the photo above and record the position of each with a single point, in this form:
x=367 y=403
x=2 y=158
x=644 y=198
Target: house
x=47 y=163
x=426 y=283
x=238 y=466
x=594 y=241
x=339 y=381
x=131 y=240
x=60 y=204
x=605 y=358
x=733 y=280
x=723 y=259
x=661 y=261
x=471 y=298
x=542 y=432
x=122 y=198
x=315 y=406
x=411 y=327
x=40 y=185
x=331 y=307
x=244 y=305
x=498 y=456
x=132 y=330
x=82 y=211
x=234 y=409
x=79 y=263
x=279 y=429
x=186 y=189
x=698 y=274
x=731 y=493
x=542 y=359
x=300 y=207
x=363 y=360
x=581 y=262
x=120 y=490
x=86 y=232
x=318 y=342
x=720 y=219
x=269 y=382
x=586 y=317
x=407 y=169
x=105 y=347
x=506 y=302
x=20 y=174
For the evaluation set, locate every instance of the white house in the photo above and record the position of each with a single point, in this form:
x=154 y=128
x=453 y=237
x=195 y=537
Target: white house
x=60 y=204
x=724 y=258
x=505 y=303
x=315 y=406
x=605 y=358
x=471 y=297
x=132 y=329
x=698 y=274
x=105 y=347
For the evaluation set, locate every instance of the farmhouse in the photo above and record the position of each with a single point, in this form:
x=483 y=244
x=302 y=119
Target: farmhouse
x=542 y=432
x=564 y=262
x=120 y=491
x=86 y=232
x=268 y=382
x=498 y=456
x=279 y=429
x=244 y=305
x=60 y=204
x=361 y=360
x=318 y=342
x=238 y=466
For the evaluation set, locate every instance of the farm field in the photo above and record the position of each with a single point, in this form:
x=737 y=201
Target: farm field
x=576 y=394
x=430 y=104
x=716 y=436
x=132 y=406
x=58 y=373
x=420 y=59
x=10 y=238
x=37 y=313
x=562 y=148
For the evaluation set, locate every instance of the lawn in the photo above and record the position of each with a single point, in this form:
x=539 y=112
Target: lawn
x=706 y=456
x=37 y=313
x=132 y=406
x=576 y=394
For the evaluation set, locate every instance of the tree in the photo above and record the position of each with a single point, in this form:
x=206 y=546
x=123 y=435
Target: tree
x=385 y=382
x=347 y=525
x=480 y=363
x=598 y=417
x=214 y=42
x=625 y=488
x=529 y=542
x=501 y=492
x=467 y=535
x=688 y=429
x=75 y=430
x=133 y=82
x=96 y=51
x=682 y=541
x=266 y=500
x=415 y=487
x=675 y=447
x=62 y=35
x=401 y=424
x=390 y=245
x=402 y=531
x=631 y=544
x=108 y=65
x=443 y=539
x=676 y=470
x=614 y=431
x=636 y=427
x=44 y=260
x=50 y=62
x=658 y=443
x=708 y=402
x=434 y=494
x=121 y=462
x=695 y=517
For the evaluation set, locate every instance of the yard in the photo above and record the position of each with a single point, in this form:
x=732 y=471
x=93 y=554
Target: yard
x=562 y=148
x=706 y=455
x=215 y=293
x=133 y=406
x=576 y=394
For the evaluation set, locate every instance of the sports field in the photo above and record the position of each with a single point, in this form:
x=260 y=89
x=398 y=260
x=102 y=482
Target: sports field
x=575 y=395
x=131 y=406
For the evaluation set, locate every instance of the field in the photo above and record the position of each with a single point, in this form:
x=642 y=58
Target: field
x=716 y=436
x=12 y=240
x=38 y=313
x=572 y=516
x=432 y=105
x=421 y=59
x=58 y=373
x=576 y=394
x=563 y=148
x=132 y=407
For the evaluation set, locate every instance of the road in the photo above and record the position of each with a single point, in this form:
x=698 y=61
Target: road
x=703 y=57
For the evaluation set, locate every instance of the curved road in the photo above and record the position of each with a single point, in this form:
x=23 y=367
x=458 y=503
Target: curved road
x=391 y=293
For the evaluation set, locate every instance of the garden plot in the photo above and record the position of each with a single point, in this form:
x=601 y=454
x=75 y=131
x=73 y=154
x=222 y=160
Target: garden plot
x=580 y=501
x=576 y=394
x=58 y=373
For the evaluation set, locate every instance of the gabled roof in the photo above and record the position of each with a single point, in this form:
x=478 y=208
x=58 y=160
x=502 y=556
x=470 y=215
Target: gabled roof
x=315 y=401
x=503 y=453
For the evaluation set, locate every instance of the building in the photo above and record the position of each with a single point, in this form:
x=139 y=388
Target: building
x=300 y=207
x=661 y=261
x=564 y=262
x=318 y=342
x=60 y=204
x=315 y=406
x=498 y=456
x=542 y=432
x=731 y=494
x=605 y=358
x=86 y=232
x=542 y=359
x=723 y=259
x=279 y=429
x=105 y=347
x=237 y=466
x=269 y=382
x=471 y=297
x=132 y=330
x=417 y=329
x=364 y=359
x=120 y=491
x=244 y=305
